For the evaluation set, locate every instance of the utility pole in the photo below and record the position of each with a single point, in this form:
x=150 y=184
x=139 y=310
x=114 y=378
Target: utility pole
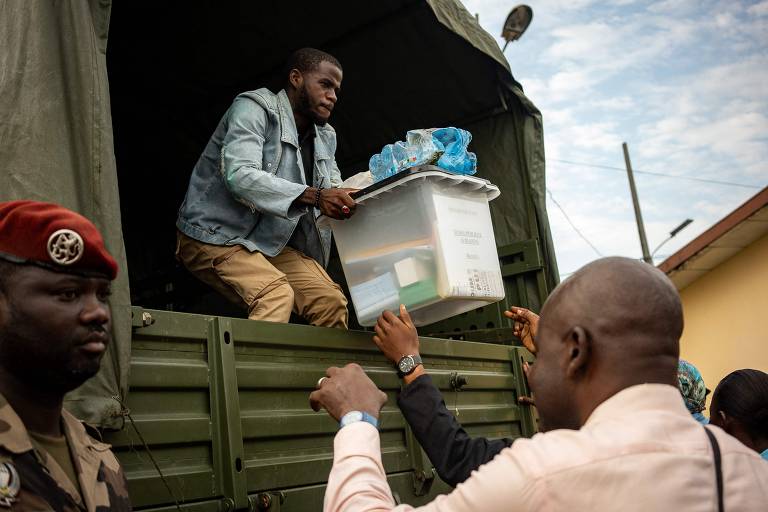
x=638 y=216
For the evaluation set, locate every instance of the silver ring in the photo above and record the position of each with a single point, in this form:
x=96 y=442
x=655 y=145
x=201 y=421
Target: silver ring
x=320 y=381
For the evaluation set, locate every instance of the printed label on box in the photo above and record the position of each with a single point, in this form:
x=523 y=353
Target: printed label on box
x=468 y=248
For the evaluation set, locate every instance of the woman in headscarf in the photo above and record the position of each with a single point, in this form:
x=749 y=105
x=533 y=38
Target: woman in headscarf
x=693 y=390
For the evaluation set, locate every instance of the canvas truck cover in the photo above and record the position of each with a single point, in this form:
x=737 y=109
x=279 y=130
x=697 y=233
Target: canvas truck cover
x=407 y=64
x=56 y=146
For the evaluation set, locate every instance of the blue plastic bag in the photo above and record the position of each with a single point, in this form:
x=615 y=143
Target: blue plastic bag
x=455 y=157
x=443 y=147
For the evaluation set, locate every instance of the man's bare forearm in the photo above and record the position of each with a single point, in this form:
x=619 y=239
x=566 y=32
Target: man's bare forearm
x=307 y=197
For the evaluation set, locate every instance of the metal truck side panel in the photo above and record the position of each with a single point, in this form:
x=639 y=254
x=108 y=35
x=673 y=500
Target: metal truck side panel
x=222 y=405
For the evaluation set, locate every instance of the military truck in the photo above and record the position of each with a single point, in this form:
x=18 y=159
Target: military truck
x=105 y=109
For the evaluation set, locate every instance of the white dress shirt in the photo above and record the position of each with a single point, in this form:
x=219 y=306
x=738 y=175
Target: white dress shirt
x=640 y=450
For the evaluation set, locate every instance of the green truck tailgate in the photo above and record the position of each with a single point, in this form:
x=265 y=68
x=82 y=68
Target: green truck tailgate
x=222 y=405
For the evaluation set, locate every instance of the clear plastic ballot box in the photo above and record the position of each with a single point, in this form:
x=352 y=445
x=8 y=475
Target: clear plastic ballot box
x=422 y=238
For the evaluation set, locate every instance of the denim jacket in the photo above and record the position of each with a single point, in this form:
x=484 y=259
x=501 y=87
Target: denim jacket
x=243 y=186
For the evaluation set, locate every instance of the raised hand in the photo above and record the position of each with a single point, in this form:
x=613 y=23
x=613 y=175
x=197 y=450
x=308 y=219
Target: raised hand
x=526 y=326
x=396 y=337
x=337 y=203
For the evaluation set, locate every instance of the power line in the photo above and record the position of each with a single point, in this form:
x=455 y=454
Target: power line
x=572 y=224
x=663 y=175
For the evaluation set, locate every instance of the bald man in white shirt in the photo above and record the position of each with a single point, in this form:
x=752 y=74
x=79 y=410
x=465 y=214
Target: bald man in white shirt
x=618 y=436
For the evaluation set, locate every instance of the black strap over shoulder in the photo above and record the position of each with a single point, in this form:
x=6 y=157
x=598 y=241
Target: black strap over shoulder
x=718 y=469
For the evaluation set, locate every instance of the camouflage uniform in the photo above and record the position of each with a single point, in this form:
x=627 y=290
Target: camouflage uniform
x=44 y=485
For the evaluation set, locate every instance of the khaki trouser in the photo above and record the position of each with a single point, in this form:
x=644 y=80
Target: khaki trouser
x=270 y=287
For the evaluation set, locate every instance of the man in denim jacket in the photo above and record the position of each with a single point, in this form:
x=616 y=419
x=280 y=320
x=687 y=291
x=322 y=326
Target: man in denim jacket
x=247 y=225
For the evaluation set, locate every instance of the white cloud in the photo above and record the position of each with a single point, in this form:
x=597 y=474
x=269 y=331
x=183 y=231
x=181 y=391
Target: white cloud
x=584 y=42
x=684 y=82
x=760 y=9
x=674 y=6
x=613 y=103
x=719 y=112
x=565 y=85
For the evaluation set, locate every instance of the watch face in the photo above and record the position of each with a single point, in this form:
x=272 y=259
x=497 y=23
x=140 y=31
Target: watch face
x=351 y=417
x=406 y=364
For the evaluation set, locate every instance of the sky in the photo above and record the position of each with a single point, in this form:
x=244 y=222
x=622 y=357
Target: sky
x=683 y=82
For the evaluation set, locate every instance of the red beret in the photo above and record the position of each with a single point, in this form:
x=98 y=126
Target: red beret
x=50 y=235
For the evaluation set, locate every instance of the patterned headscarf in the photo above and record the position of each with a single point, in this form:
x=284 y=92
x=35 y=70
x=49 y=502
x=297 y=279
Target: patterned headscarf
x=691 y=386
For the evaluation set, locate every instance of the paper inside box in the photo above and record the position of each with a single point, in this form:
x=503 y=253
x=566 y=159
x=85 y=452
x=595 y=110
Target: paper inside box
x=374 y=296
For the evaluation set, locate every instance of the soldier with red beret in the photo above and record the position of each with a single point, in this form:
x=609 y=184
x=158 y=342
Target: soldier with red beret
x=55 y=276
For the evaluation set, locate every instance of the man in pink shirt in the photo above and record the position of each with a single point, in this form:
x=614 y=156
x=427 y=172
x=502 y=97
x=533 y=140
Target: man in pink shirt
x=618 y=436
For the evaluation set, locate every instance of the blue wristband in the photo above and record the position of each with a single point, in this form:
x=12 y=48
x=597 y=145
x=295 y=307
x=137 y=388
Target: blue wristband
x=355 y=416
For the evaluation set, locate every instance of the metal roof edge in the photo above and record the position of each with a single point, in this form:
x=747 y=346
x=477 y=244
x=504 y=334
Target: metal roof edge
x=707 y=238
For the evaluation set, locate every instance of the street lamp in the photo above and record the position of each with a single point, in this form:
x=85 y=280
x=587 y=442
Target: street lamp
x=672 y=234
x=518 y=20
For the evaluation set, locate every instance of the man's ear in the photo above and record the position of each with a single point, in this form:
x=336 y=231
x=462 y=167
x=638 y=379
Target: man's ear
x=578 y=346
x=295 y=78
x=725 y=421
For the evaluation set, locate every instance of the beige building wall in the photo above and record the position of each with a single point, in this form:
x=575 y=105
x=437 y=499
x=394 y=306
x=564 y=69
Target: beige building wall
x=726 y=316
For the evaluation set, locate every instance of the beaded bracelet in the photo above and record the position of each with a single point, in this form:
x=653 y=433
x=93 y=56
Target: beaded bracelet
x=317 y=197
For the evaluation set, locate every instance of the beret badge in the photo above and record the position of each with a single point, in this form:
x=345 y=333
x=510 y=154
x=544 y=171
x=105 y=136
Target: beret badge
x=10 y=484
x=65 y=247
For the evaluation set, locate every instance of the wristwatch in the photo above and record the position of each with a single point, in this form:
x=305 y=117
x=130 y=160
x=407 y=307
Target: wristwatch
x=407 y=364
x=355 y=416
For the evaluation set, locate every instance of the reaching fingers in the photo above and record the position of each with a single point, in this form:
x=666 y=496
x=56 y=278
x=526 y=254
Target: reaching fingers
x=382 y=325
x=528 y=315
x=389 y=318
x=337 y=203
x=380 y=333
x=348 y=201
x=381 y=328
x=314 y=400
x=405 y=316
x=513 y=312
x=342 y=201
x=525 y=400
x=354 y=366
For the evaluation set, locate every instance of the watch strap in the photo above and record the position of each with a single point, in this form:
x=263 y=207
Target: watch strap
x=355 y=416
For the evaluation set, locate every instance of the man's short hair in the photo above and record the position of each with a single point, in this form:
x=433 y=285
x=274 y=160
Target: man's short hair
x=307 y=60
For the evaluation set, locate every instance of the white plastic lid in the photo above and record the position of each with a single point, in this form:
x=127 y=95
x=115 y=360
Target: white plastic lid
x=424 y=172
x=430 y=172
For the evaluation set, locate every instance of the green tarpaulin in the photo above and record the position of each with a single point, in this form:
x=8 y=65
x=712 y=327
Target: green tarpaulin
x=56 y=145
